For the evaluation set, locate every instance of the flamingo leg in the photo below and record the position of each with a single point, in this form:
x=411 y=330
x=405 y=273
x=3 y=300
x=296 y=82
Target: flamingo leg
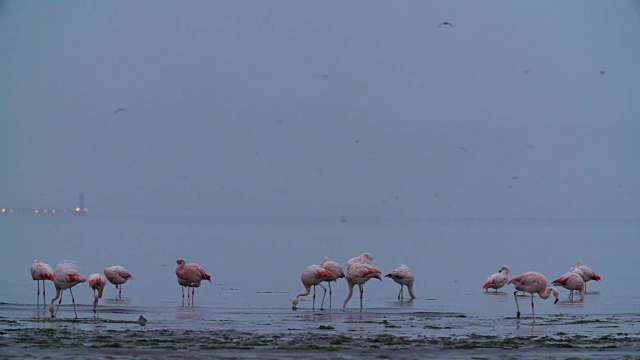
x=44 y=297
x=323 y=295
x=59 y=302
x=400 y=294
x=74 y=303
x=38 y=300
x=515 y=297
x=95 y=303
x=313 y=307
x=361 y=295
x=193 y=296
x=532 y=309
x=119 y=290
x=330 y=294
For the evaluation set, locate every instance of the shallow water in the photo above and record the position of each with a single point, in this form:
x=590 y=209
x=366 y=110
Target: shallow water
x=256 y=265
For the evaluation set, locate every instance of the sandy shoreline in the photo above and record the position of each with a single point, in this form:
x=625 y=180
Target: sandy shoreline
x=323 y=343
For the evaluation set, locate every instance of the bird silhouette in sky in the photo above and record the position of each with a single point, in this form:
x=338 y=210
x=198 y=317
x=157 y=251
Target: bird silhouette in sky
x=119 y=109
x=445 y=23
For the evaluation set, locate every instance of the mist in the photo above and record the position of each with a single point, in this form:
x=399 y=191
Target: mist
x=359 y=108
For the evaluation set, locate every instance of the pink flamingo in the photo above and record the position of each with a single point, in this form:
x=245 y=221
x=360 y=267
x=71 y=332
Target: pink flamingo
x=97 y=282
x=41 y=271
x=337 y=271
x=117 y=275
x=586 y=273
x=359 y=273
x=403 y=276
x=363 y=258
x=571 y=281
x=533 y=283
x=312 y=276
x=191 y=274
x=497 y=280
x=65 y=277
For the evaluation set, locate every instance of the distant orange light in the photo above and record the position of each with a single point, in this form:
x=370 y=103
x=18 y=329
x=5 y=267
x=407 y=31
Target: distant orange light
x=77 y=209
x=36 y=211
x=4 y=210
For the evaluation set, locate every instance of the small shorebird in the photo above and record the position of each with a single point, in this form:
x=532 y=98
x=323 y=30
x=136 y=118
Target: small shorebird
x=142 y=321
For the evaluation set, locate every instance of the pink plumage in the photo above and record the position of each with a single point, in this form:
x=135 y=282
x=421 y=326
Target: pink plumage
x=312 y=276
x=497 y=280
x=40 y=272
x=65 y=277
x=338 y=273
x=190 y=275
x=359 y=273
x=117 y=275
x=571 y=281
x=533 y=283
x=97 y=282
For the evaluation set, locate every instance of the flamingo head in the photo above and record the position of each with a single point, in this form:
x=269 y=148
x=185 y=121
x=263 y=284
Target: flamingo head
x=180 y=261
x=504 y=269
x=294 y=303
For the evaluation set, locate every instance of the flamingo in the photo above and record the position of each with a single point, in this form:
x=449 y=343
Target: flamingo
x=65 y=277
x=191 y=274
x=363 y=258
x=312 y=276
x=403 y=276
x=359 y=273
x=571 y=281
x=186 y=284
x=117 y=275
x=41 y=271
x=533 y=283
x=586 y=273
x=497 y=280
x=97 y=282
x=337 y=271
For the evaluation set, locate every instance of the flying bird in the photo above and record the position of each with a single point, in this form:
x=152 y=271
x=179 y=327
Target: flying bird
x=460 y=147
x=445 y=23
x=403 y=276
x=533 y=283
x=337 y=271
x=571 y=281
x=313 y=275
x=41 y=271
x=359 y=273
x=119 y=109
x=191 y=273
x=97 y=282
x=497 y=280
x=602 y=72
x=65 y=277
x=117 y=275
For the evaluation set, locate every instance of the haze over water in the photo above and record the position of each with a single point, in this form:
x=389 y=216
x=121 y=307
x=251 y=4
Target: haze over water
x=236 y=134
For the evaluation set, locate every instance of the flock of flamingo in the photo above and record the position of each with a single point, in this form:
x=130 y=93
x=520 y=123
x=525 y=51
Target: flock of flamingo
x=360 y=269
x=535 y=283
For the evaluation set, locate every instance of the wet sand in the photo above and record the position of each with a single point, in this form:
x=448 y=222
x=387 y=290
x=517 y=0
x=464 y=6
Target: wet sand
x=66 y=343
x=96 y=338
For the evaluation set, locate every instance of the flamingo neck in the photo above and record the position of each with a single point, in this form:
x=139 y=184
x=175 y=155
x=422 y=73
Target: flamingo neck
x=307 y=290
x=410 y=288
x=344 y=306
x=546 y=293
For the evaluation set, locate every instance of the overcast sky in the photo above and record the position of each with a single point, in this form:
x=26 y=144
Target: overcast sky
x=299 y=108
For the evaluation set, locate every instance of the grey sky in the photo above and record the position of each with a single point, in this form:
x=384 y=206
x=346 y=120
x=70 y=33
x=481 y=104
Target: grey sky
x=292 y=108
